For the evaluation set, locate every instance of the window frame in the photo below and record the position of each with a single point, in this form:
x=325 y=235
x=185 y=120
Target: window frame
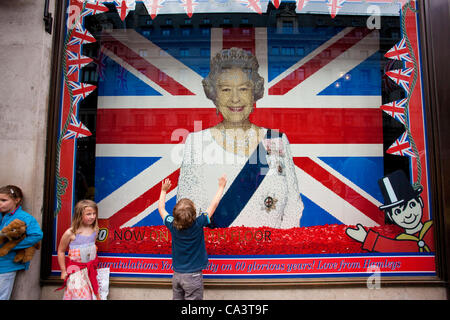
x=436 y=100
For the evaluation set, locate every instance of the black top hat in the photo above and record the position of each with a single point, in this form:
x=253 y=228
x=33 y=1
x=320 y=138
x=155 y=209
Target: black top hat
x=396 y=189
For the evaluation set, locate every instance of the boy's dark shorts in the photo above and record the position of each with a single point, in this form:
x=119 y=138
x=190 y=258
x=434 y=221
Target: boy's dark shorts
x=187 y=286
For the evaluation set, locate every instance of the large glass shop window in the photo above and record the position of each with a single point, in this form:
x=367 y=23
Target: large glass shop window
x=313 y=110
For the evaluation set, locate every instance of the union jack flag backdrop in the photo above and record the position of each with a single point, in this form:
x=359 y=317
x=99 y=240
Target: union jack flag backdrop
x=323 y=89
x=325 y=95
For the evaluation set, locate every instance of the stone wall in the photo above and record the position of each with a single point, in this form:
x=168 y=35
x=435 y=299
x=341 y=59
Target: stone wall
x=25 y=56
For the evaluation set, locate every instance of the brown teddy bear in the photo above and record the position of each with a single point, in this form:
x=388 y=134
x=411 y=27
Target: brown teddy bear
x=11 y=235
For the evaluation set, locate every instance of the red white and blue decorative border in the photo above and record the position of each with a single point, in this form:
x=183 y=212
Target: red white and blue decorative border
x=408 y=111
x=275 y=266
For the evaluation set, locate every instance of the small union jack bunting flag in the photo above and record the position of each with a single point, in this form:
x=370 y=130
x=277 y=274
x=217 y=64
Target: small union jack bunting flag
x=255 y=5
x=301 y=4
x=399 y=52
x=76 y=61
x=153 y=7
x=402 y=77
x=76 y=129
x=124 y=7
x=189 y=6
x=396 y=110
x=80 y=90
x=276 y=3
x=81 y=36
x=94 y=7
x=401 y=147
x=334 y=6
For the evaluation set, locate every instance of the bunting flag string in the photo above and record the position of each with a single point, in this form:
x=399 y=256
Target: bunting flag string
x=124 y=7
x=74 y=43
x=406 y=78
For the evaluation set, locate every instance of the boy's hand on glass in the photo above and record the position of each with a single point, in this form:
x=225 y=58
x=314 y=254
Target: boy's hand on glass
x=223 y=181
x=166 y=185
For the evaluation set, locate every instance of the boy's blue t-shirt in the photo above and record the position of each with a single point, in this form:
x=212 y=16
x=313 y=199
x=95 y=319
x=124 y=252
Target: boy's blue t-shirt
x=188 y=245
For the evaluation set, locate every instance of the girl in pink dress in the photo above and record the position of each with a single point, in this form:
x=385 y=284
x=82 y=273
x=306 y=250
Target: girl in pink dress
x=80 y=273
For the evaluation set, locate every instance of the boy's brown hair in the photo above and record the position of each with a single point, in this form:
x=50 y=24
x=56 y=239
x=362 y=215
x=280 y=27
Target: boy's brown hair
x=13 y=192
x=184 y=214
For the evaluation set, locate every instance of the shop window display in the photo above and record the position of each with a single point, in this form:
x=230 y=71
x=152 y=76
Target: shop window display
x=341 y=85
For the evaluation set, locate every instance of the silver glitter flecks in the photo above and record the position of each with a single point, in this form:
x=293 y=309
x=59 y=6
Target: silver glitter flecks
x=204 y=161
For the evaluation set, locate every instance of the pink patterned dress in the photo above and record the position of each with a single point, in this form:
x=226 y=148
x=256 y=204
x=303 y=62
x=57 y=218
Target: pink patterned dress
x=81 y=250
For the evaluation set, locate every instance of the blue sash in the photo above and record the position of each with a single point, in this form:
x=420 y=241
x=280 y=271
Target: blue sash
x=243 y=187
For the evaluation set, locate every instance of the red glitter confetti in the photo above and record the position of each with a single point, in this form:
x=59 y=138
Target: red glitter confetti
x=326 y=239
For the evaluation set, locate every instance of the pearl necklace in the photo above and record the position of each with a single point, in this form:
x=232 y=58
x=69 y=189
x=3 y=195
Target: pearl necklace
x=239 y=141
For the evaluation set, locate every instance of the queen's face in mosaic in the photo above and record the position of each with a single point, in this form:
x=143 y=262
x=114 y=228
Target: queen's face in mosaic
x=234 y=85
x=234 y=96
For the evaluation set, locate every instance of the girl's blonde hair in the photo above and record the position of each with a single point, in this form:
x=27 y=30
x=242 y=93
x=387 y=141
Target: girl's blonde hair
x=13 y=192
x=78 y=214
x=184 y=214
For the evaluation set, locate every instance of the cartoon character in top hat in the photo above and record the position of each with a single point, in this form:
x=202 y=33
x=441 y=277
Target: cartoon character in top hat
x=403 y=206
